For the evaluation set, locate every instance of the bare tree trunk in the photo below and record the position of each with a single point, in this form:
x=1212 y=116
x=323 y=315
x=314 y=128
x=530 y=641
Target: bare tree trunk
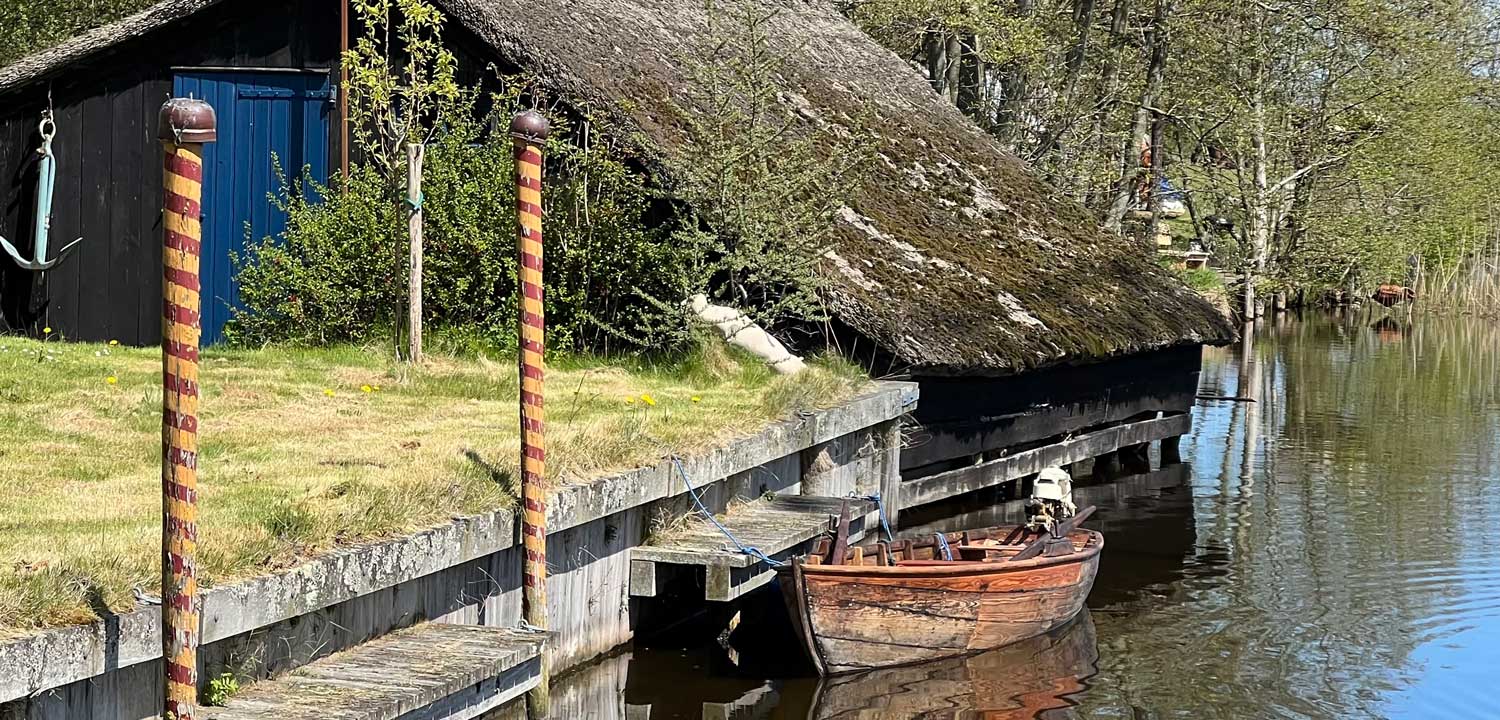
x=971 y=95
x=1083 y=24
x=1260 y=209
x=953 y=67
x=1013 y=83
x=414 y=154
x=1130 y=165
x=1105 y=101
x=935 y=46
x=1158 y=168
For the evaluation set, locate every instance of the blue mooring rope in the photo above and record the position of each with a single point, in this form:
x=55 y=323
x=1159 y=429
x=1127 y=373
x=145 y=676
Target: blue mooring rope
x=885 y=525
x=750 y=550
x=943 y=543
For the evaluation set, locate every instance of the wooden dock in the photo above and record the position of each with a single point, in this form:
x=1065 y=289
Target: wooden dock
x=779 y=527
x=429 y=672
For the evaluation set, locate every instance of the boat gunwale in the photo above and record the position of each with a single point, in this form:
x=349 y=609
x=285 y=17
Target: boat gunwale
x=1094 y=545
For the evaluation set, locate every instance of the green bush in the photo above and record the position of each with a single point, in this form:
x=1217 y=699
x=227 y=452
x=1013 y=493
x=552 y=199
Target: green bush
x=339 y=272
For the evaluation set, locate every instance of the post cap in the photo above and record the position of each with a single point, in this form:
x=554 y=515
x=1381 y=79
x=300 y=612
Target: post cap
x=529 y=125
x=187 y=120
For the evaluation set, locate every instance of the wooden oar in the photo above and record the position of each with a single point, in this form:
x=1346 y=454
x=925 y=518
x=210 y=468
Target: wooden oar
x=1061 y=531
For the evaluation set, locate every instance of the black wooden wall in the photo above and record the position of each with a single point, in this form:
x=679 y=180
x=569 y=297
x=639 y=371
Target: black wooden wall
x=109 y=167
x=958 y=417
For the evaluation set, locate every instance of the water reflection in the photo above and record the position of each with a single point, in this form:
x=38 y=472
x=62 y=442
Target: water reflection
x=1343 y=511
x=1030 y=679
x=1330 y=552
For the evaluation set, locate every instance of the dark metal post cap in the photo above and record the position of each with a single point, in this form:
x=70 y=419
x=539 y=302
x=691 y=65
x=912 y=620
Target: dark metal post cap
x=185 y=120
x=529 y=125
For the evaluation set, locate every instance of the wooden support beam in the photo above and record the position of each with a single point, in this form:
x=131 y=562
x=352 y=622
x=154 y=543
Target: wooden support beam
x=1107 y=466
x=1171 y=451
x=1006 y=468
x=1136 y=459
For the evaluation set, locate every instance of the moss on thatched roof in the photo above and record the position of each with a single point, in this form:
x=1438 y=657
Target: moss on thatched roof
x=950 y=255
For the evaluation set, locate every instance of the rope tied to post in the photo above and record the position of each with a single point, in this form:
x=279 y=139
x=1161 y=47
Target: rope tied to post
x=750 y=550
x=885 y=524
x=942 y=543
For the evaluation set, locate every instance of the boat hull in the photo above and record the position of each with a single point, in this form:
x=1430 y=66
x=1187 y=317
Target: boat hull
x=858 y=617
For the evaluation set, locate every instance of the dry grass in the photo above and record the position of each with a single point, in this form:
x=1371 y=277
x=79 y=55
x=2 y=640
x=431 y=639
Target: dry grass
x=288 y=469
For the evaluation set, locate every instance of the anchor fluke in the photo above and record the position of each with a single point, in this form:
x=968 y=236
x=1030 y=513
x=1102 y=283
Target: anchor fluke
x=42 y=225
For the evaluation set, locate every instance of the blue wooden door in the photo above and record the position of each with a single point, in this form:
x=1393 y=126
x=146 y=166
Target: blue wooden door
x=266 y=120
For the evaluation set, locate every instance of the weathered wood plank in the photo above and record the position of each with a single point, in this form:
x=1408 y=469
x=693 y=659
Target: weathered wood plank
x=779 y=528
x=433 y=671
x=768 y=525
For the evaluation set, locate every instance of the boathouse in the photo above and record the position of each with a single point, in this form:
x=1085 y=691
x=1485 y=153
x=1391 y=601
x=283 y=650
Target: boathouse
x=1036 y=339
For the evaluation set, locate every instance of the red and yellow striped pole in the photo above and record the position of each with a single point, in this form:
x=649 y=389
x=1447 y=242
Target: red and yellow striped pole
x=528 y=131
x=185 y=126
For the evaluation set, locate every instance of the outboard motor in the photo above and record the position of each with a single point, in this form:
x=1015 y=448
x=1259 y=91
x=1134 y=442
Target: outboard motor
x=1051 y=500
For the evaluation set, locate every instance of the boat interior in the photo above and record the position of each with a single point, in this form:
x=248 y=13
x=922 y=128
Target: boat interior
x=1003 y=543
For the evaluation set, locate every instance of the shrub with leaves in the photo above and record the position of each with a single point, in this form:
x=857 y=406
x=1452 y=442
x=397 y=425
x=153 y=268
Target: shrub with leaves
x=338 y=273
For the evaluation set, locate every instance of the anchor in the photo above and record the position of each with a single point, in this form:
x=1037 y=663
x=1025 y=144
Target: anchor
x=46 y=181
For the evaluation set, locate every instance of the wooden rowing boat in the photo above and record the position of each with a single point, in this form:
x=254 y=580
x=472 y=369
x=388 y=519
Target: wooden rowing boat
x=1020 y=681
x=905 y=602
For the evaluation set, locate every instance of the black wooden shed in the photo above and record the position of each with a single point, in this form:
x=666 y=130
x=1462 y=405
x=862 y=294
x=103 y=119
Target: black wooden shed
x=268 y=67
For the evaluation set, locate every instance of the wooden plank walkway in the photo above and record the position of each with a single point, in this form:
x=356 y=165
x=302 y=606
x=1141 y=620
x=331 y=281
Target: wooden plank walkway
x=428 y=672
x=780 y=527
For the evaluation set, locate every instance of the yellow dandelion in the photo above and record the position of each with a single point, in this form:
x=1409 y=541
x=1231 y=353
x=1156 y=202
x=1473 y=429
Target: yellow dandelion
x=111 y=380
x=646 y=398
x=47 y=330
x=114 y=342
x=366 y=388
x=328 y=392
x=630 y=401
x=697 y=399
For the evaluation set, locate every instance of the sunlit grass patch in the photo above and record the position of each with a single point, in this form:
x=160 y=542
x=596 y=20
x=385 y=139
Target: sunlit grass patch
x=303 y=450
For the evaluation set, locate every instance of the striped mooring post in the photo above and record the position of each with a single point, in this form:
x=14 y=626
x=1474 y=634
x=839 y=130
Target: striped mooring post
x=528 y=131
x=185 y=125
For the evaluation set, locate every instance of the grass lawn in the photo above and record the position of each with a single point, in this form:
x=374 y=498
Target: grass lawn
x=303 y=450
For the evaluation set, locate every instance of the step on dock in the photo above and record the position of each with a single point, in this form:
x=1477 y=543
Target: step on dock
x=780 y=527
x=428 y=672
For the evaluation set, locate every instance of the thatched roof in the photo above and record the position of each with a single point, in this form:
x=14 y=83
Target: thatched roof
x=951 y=255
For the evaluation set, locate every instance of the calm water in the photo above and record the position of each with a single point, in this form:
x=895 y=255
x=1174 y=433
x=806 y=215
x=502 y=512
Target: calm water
x=1331 y=550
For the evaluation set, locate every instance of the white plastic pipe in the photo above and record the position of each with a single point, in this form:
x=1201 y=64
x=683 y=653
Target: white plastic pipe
x=739 y=331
